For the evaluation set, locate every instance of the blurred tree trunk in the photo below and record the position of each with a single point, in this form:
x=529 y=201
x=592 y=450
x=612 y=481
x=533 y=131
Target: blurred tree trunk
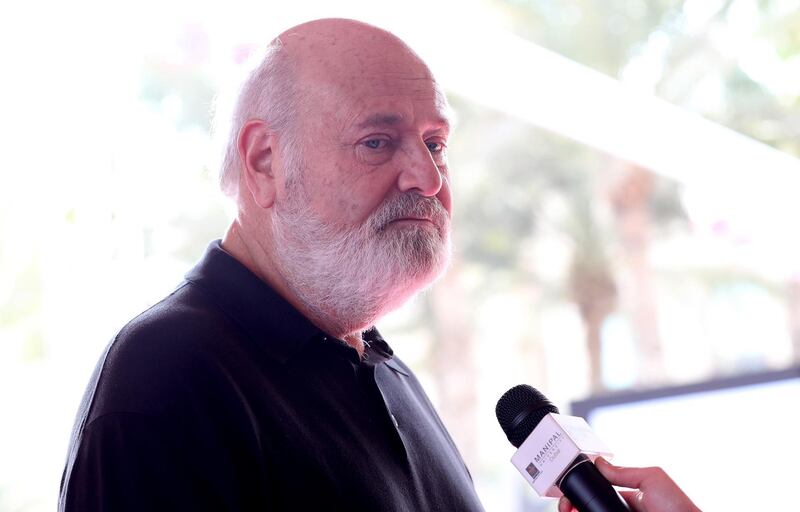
x=630 y=199
x=591 y=282
x=453 y=361
x=594 y=292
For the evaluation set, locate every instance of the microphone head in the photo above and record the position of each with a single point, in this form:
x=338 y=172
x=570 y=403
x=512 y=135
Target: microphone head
x=519 y=410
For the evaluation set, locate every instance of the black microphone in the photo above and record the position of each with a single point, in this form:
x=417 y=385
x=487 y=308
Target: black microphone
x=551 y=451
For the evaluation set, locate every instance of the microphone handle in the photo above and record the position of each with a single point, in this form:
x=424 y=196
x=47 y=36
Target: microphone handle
x=588 y=489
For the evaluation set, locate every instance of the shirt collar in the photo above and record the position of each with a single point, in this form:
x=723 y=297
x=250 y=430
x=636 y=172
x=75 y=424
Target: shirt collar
x=376 y=349
x=268 y=318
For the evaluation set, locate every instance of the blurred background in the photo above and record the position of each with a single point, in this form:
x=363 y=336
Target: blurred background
x=626 y=179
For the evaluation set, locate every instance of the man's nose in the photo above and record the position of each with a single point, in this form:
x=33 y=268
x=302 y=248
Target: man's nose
x=419 y=172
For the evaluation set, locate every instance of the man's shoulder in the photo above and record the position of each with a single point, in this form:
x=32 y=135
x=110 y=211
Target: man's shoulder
x=160 y=355
x=187 y=315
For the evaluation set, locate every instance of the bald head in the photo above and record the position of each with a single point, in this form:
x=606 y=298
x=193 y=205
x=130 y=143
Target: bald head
x=303 y=68
x=338 y=51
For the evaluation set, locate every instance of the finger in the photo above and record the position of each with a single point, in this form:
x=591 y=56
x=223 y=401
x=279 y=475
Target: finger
x=625 y=477
x=564 y=505
x=634 y=499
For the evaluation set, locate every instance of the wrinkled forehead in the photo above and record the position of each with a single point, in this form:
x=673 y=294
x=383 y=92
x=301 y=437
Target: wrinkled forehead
x=418 y=105
x=421 y=104
x=366 y=93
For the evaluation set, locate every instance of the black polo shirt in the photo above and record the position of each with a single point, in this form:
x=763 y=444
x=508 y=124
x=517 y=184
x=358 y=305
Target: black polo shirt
x=224 y=397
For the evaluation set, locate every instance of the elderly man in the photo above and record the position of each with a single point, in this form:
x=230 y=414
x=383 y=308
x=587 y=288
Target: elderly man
x=261 y=383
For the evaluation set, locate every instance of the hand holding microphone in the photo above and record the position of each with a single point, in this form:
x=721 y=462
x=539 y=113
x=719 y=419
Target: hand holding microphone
x=555 y=454
x=555 y=451
x=654 y=490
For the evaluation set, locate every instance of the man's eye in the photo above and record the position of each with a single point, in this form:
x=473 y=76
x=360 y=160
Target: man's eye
x=376 y=143
x=435 y=147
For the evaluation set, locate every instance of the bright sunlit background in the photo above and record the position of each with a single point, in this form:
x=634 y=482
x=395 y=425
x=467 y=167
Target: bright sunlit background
x=626 y=178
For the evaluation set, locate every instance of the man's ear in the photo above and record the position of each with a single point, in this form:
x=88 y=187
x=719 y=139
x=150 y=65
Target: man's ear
x=256 y=146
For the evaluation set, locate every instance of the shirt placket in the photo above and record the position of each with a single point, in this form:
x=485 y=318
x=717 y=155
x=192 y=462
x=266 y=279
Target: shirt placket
x=377 y=395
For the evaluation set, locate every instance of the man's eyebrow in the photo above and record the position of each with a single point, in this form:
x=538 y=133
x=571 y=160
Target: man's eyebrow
x=445 y=122
x=378 y=120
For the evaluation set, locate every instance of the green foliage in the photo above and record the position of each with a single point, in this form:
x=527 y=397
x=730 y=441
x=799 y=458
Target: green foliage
x=524 y=180
x=520 y=168
x=608 y=35
x=602 y=35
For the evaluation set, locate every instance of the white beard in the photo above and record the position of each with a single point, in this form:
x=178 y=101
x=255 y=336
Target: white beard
x=349 y=277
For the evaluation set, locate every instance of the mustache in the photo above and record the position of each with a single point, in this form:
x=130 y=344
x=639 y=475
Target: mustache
x=411 y=205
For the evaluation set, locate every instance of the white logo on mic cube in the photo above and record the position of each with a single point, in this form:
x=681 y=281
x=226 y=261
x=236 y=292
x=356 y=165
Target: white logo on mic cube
x=552 y=447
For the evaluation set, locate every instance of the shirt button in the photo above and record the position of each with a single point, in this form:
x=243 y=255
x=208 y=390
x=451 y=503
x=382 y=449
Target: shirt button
x=394 y=420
